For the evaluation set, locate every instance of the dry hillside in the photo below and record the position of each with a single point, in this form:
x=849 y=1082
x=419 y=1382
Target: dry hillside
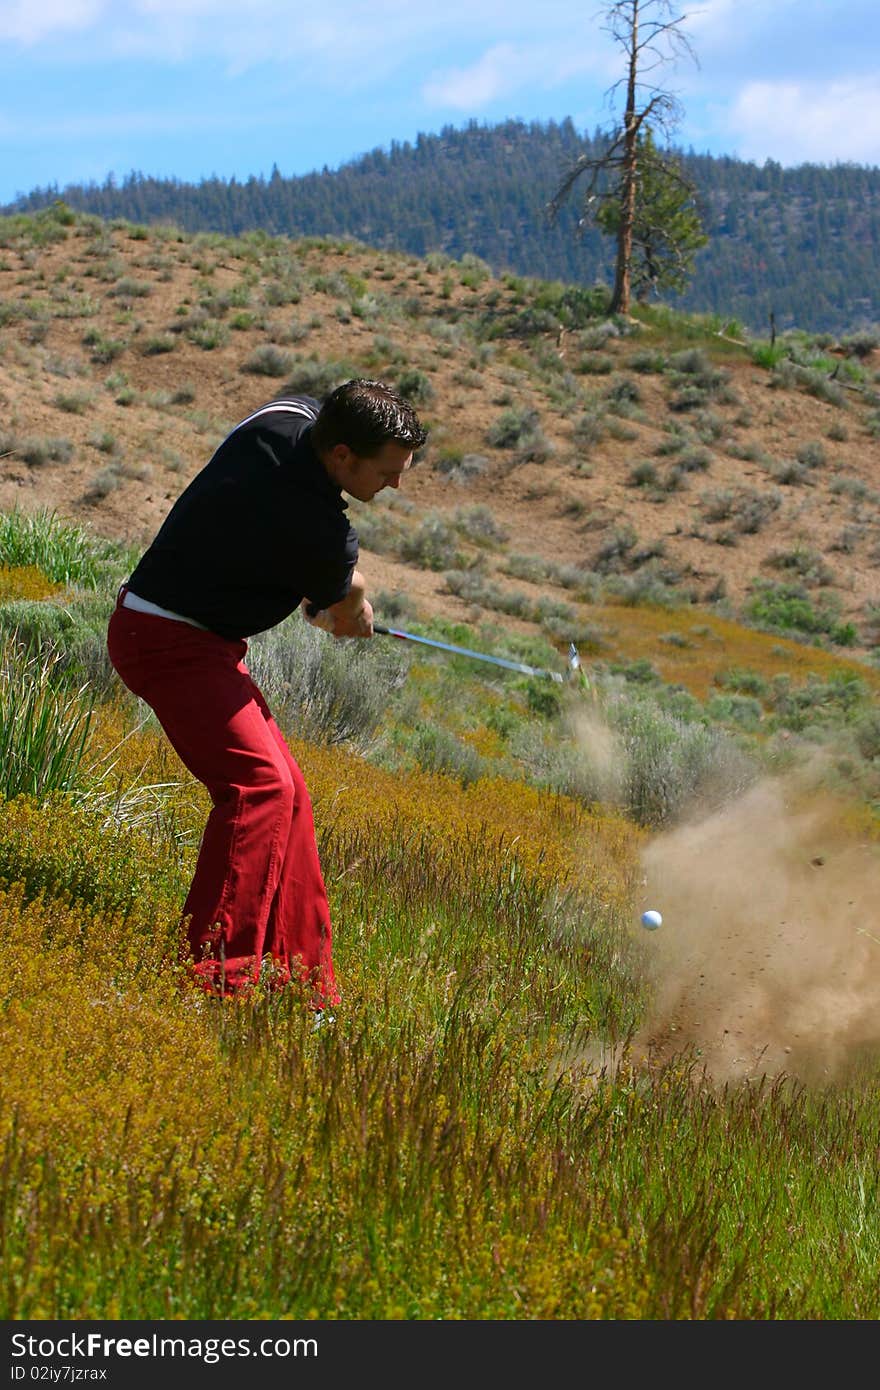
x=651 y=452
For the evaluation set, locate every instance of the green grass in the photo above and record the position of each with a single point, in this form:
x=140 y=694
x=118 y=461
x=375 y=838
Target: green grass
x=64 y=552
x=44 y=728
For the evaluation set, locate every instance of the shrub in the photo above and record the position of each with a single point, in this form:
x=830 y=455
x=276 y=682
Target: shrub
x=674 y=443
x=312 y=376
x=675 y=768
x=647 y=361
x=744 y=682
x=847 y=540
x=839 y=700
x=74 y=402
x=691 y=362
x=595 y=364
x=867 y=734
x=208 y=334
x=512 y=428
x=643 y=474
x=129 y=288
x=694 y=459
x=475 y=588
x=433 y=545
x=437 y=749
x=158 y=344
x=479 y=525
x=789 y=473
x=807 y=564
x=324 y=690
x=649 y=585
x=103 y=483
x=520 y=429
x=787 y=607
x=293 y=332
x=268 y=361
x=72 y=635
x=589 y=429
x=529 y=567
x=624 y=391
x=740 y=710
x=814 y=382
x=688 y=398
x=415 y=386
x=103 y=349
x=745 y=506
x=752 y=508
x=391 y=607
x=38 y=452
x=613 y=552
x=378 y=530
x=461 y=468
x=709 y=426
x=280 y=292
x=861 y=343
x=812 y=454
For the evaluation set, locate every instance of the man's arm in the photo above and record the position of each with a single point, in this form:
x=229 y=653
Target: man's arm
x=352 y=616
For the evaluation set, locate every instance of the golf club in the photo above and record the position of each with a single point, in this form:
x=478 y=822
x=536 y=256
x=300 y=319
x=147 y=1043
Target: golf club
x=478 y=656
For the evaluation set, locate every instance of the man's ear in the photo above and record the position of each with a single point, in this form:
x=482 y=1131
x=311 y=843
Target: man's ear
x=339 y=463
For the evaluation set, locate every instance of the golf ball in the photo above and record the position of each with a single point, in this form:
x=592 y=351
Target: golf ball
x=651 y=920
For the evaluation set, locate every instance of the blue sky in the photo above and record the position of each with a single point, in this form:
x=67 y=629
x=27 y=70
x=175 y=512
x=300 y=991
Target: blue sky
x=193 y=88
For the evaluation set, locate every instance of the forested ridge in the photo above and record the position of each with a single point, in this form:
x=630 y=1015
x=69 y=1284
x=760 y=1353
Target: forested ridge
x=801 y=243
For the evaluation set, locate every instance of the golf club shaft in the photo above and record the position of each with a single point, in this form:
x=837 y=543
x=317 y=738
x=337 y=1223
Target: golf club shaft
x=465 y=651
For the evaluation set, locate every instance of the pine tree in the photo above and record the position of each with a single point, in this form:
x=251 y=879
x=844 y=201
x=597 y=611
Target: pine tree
x=667 y=229
x=649 y=33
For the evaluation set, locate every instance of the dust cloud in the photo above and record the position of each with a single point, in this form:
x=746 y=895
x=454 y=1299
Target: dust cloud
x=602 y=755
x=768 y=958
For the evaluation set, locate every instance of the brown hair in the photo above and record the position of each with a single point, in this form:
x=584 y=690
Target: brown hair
x=365 y=415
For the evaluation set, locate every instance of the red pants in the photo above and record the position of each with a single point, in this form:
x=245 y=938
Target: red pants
x=258 y=890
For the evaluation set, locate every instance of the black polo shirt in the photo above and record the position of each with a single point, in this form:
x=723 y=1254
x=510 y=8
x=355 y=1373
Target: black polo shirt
x=259 y=529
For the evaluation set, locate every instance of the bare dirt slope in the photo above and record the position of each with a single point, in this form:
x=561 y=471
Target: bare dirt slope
x=130 y=348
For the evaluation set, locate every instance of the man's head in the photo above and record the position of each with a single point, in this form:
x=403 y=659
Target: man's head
x=365 y=436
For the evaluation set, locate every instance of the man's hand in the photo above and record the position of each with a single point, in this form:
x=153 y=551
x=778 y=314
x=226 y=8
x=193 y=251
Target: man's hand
x=352 y=616
x=344 y=624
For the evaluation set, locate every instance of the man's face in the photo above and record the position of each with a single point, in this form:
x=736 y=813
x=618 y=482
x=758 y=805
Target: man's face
x=363 y=477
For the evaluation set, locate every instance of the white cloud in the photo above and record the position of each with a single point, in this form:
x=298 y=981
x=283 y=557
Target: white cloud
x=28 y=23
x=506 y=68
x=807 y=122
x=716 y=22
x=498 y=72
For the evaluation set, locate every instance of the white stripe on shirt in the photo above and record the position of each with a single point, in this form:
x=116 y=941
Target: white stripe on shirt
x=270 y=409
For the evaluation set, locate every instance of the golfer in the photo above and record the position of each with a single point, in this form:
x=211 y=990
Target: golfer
x=261 y=530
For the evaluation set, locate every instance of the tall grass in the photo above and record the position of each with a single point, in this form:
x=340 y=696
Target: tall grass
x=43 y=727
x=65 y=553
